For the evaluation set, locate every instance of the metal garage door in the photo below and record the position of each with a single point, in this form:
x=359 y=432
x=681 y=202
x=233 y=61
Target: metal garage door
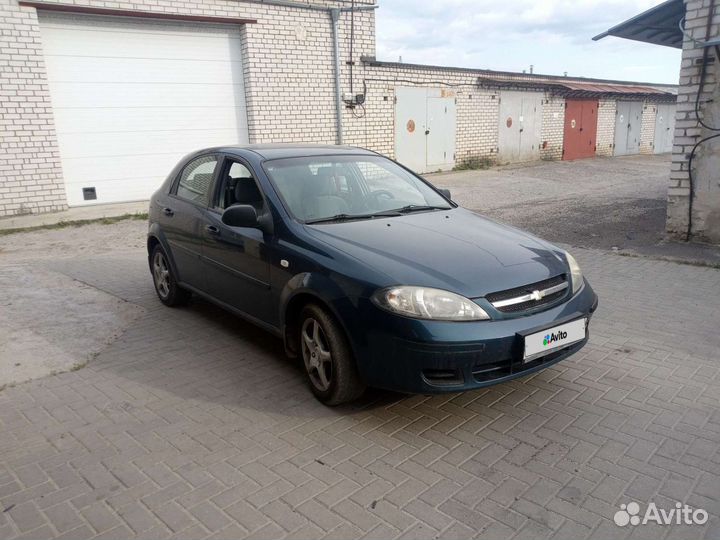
x=628 y=121
x=425 y=128
x=664 y=128
x=520 y=128
x=580 y=132
x=131 y=97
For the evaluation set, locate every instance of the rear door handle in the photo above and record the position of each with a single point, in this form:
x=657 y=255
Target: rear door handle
x=168 y=212
x=212 y=229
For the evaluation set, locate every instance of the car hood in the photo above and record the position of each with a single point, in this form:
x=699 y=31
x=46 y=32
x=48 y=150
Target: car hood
x=455 y=250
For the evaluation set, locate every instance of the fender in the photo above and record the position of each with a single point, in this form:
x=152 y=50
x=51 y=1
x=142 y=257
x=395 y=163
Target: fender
x=328 y=293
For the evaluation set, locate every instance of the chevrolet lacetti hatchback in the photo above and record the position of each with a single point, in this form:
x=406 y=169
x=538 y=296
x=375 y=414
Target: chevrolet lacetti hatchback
x=367 y=272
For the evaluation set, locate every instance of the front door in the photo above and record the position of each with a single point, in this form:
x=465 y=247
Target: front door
x=425 y=120
x=580 y=128
x=664 y=128
x=181 y=218
x=520 y=125
x=440 y=140
x=237 y=259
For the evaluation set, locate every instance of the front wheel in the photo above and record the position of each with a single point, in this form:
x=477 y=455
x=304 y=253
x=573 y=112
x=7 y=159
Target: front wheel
x=166 y=286
x=329 y=362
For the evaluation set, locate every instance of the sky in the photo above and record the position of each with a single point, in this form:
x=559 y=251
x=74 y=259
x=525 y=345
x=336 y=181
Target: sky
x=552 y=35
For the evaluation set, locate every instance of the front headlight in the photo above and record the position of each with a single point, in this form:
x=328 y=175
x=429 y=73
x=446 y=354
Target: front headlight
x=426 y=303
x=575 y=273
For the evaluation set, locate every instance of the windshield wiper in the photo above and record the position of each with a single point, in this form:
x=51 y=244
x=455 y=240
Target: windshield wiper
x=351 y=217
x=419 y=207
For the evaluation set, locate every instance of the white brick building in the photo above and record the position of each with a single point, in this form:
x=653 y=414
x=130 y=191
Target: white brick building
x=98 y=99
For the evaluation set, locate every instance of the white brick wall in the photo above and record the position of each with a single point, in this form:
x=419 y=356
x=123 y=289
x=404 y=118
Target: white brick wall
x=289 y=82
x=30 y=175
x=553 y=127
x=606 y=127
x=706 y=200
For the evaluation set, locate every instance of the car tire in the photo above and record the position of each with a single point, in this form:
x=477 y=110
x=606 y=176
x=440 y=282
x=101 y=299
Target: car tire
x=328 y=360
x=166 y=285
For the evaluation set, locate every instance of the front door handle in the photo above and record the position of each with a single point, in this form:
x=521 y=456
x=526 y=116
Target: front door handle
x=212 y=229
x=168 y=212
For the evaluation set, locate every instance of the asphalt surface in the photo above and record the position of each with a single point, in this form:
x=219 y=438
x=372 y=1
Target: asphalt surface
x=597 y=203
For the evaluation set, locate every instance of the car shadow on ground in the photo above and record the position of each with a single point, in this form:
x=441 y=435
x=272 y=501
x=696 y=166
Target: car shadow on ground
x=201 y=352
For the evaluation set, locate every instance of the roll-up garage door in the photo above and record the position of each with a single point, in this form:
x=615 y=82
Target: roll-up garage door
x=131 y=97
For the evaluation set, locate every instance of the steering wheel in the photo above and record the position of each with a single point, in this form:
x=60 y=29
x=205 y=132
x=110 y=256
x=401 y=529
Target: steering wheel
x=382 y=193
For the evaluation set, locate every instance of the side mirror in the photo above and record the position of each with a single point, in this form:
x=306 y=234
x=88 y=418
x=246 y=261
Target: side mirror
x=445 y=193
x=240 y=215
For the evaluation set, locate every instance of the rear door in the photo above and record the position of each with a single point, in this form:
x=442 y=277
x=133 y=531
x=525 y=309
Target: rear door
x=182 y=216
x=237 y=259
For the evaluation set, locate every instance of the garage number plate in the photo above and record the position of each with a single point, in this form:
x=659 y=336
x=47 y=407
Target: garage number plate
x=555 y=337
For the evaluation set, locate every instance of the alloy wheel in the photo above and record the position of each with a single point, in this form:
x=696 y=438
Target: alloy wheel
x=161 y=273
x=316 y=354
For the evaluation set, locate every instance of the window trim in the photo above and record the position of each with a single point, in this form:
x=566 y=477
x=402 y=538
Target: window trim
x=227 y=161
x=176 y=181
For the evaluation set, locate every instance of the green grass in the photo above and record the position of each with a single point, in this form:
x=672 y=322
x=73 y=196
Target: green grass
x=474 y=163
x=76 y=223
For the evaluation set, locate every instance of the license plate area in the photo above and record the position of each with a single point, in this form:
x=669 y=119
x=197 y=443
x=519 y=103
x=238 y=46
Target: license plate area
x=552 y=338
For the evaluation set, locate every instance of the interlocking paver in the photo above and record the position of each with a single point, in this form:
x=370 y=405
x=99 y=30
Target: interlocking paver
x=191 y=424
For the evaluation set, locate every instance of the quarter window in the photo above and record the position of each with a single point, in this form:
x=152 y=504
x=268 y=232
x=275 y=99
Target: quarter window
x=196 y=179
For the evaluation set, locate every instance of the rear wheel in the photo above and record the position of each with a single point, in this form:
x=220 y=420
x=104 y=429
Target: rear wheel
x=329 y=362
x=166 y=286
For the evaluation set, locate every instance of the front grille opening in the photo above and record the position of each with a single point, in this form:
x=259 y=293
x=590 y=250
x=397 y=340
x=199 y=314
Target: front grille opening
x=443 y=377
x=527 y=289
x=516 y=308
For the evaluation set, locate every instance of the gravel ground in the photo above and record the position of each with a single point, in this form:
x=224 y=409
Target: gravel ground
x=34 y=340
x=600 y=203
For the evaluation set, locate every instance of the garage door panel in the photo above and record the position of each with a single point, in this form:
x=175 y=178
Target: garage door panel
x=101 y=95
x=66 y=69
x=139 y=120
x=132 y=97
x=104 y=40
x=79 y=145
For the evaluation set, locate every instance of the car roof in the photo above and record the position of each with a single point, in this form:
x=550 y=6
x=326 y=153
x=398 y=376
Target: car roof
x=280 y=151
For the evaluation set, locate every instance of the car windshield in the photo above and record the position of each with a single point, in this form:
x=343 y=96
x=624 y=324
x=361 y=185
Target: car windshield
x=335 y=188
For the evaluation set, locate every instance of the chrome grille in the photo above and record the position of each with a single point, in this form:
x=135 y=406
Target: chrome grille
x=530 y=296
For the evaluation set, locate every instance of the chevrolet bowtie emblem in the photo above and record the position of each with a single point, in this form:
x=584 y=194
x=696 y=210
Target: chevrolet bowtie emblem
x=536 y=295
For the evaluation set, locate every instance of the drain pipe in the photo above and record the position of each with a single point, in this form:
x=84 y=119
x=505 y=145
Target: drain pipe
x=335 y=17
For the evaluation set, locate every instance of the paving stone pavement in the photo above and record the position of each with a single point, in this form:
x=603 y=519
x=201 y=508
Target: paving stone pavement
x=192 y=424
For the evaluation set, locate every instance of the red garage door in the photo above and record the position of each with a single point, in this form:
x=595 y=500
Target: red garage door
x=580 y=128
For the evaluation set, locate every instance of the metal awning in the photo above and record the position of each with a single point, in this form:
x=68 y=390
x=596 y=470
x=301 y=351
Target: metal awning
x=659 y=25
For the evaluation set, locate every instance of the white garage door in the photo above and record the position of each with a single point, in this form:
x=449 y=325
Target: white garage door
x=131 y=97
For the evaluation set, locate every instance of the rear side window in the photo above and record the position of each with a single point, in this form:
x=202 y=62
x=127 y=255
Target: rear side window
x=196 y=179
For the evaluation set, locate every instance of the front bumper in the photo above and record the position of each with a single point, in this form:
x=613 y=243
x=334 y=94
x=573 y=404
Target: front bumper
x=416 y=356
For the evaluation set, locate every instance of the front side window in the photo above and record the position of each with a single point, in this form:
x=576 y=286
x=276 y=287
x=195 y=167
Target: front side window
x=320 y=187
x=196 y=179
x=238 y=186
